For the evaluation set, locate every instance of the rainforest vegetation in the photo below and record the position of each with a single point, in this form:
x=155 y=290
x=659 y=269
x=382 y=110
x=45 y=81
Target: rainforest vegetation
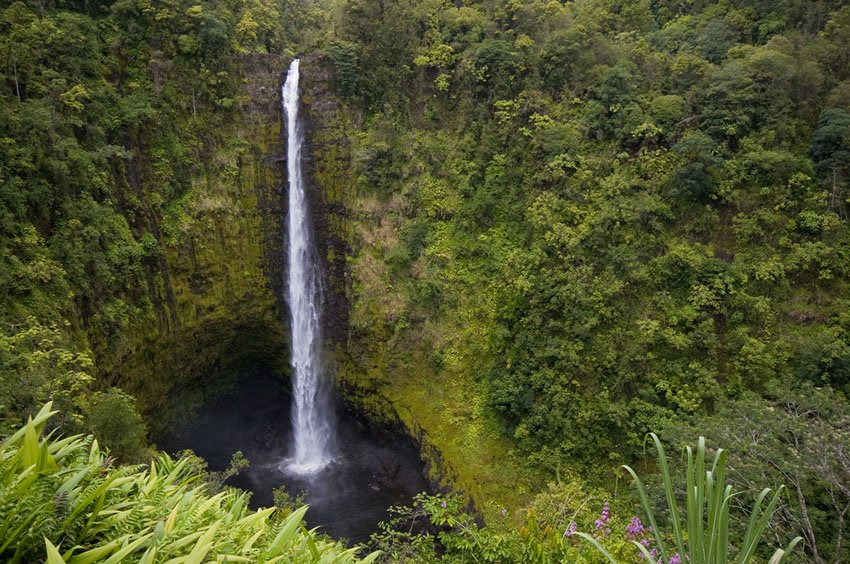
x=562 y=226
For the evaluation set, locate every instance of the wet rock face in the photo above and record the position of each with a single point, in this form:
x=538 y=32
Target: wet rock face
x=329 y=181
x=268 y=437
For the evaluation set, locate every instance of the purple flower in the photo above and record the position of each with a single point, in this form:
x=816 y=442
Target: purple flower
x=675 y=559
x=443 y=504
x=601 y=524
x=504 y=512
x=571 y=529
x=653 y=552
x=634 y=529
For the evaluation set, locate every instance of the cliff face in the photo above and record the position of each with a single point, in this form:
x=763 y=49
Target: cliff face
x=366 y=383
x=330 y=185
x=216 y=286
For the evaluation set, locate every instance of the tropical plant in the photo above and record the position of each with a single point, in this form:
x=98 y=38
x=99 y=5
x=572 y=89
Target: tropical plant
x=65 y=496
x=440 y=528
x=703 y=537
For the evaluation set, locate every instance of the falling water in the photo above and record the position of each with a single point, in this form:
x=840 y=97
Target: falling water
x=312 y=416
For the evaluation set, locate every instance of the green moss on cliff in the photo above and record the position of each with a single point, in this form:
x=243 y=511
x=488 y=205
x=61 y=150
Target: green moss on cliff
x=221 y=261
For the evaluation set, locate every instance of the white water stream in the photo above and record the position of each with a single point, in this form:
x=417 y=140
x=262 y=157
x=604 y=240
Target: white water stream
x=312 y=414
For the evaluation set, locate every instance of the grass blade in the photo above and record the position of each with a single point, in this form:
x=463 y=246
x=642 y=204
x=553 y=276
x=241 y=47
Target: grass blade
x=598 y=546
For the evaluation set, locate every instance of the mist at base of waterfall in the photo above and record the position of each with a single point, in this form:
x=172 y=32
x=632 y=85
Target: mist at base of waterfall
x=347 y=498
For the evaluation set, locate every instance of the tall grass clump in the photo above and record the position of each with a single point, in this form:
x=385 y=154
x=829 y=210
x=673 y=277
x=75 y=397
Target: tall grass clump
x=702 y=537
x=62 y=500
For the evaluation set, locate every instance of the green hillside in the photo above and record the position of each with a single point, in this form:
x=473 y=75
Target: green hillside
x=548 y=229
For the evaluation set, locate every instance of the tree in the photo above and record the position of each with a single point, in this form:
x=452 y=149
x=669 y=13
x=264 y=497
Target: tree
x=831 y=151
x=39 y=364
x=115 y=420
x=697 y=176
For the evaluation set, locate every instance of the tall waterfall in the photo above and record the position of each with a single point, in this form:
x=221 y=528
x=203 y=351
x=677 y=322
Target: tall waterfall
x=312 y=416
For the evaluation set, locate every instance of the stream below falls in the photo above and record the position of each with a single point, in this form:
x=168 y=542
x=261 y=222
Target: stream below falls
x=347 y=499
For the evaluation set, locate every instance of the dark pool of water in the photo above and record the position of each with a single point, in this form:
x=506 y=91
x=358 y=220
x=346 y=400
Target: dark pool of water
x=347 y=500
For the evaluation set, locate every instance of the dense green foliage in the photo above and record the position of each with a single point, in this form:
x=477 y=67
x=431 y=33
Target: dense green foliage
x=602 y=218
x=694 y=527
x=703 y=535
x=570 y=224
x=110 y=112
x=38 y=364
x=615 y=214
x=64 y=499
x=800 y=442
x=115 y=420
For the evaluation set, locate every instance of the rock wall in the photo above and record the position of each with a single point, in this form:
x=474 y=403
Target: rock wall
x=330 y=186
x=216 y=288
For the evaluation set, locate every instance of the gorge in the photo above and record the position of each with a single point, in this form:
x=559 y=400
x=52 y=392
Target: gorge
x=329 y=463
x=534 y=233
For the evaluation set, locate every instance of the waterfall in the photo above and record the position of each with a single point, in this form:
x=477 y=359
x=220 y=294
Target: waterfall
x=312 y=414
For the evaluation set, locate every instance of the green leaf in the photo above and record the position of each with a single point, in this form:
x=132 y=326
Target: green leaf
x=129 y=549
x=290 y=526
x=29 y=448
x=371 y=557
x=203 y=546
x=96 y=554
x=53 y=556
x=38 y=422
x=781 y=555
x=758 y=522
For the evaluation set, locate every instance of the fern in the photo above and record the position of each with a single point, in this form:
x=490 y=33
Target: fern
x=77 y=508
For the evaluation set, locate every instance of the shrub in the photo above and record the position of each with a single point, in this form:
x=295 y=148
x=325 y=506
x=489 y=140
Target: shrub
x=115 y=420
